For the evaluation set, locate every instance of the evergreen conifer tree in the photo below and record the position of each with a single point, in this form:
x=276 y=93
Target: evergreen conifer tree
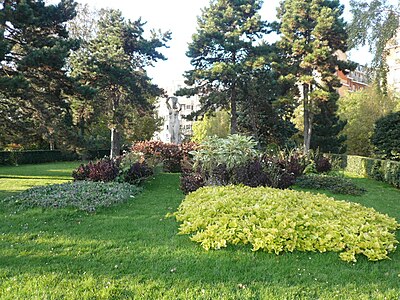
x=312 y=31
x=113 y=63
x=34 y=46
x=327 y=135
x=219 y=51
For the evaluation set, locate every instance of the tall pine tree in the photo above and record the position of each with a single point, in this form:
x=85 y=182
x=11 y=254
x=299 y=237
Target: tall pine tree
x=226 y=33
x=311 y=32
x=113 y=63
x=266 y=98
x=328 y=128
x=34 y=46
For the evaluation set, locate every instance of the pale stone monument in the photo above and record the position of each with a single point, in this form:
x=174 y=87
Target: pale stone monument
x=174 y=123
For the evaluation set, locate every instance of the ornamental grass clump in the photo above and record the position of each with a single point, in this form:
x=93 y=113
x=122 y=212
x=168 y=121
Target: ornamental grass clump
x=83 y=195
x=277 y=220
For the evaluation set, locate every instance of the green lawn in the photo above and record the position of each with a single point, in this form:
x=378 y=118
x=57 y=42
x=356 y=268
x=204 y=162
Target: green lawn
x=16 y=179
x=133 y=252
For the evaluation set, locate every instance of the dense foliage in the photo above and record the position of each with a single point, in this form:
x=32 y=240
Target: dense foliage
x=235 y=160
x=361 y=109
x=328 y=128
x=335 y=184
x=169 y=154
x=278 y=221
x=34 y=47
x=191 y=181
x=104 y=170
x=311 y=33
x=83 y=195
x=246 y=165
x=233 y=151
x=128 y=168
x=386 y=136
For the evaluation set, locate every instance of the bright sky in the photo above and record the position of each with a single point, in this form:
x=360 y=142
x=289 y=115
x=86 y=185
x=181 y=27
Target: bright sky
x=180 y=17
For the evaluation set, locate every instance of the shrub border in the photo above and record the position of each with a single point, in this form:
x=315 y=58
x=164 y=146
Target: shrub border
x=382 y=170
x=44 y=156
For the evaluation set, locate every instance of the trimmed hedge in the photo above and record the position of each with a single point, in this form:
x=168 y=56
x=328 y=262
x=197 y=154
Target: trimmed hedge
x=383 y=170
x=44 y=156
x=35 y=156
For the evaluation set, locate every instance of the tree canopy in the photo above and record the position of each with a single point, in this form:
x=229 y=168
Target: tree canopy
x=113 y=62
x=219 y=52
x=34 y=46
x=374 y=24
x=311 y=34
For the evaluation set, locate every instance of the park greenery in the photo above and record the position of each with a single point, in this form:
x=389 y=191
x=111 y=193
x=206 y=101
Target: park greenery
x=263 y=179
x=276 y=221
x=74 y=78
x=131 y=250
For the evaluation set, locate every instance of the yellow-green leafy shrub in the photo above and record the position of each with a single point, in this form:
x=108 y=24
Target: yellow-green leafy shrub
x=276 y=220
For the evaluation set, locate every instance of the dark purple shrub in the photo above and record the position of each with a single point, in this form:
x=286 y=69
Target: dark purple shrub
x=190 y=182
x=286 y=180
x=322 y=164
x=81 y=173
x=293 y=164
x=280 y=171
x=218 y=176
x=252 y=174
x=137 y=173
x=104 y=170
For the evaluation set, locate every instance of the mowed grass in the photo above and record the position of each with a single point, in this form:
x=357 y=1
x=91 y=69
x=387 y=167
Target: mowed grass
x=15 y=179
x=132 y=251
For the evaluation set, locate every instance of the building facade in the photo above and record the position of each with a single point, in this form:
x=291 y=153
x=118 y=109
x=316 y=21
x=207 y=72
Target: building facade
x=352 y=81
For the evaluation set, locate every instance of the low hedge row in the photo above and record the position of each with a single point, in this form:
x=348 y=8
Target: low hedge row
x=383 y=170
x=43 y=156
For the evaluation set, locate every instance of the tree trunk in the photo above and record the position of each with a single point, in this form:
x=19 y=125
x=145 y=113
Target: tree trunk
x=233 y=110
x=308 y=116
x=82 y=127
x=115 y=134
x=233 y=101
x=115 y=143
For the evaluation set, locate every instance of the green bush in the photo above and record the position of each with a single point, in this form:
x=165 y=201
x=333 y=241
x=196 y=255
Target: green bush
x=385 y=170
x=276 y=220
x=335 y=184
x=233 y=151
x=386 y=136
x=83 y=195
